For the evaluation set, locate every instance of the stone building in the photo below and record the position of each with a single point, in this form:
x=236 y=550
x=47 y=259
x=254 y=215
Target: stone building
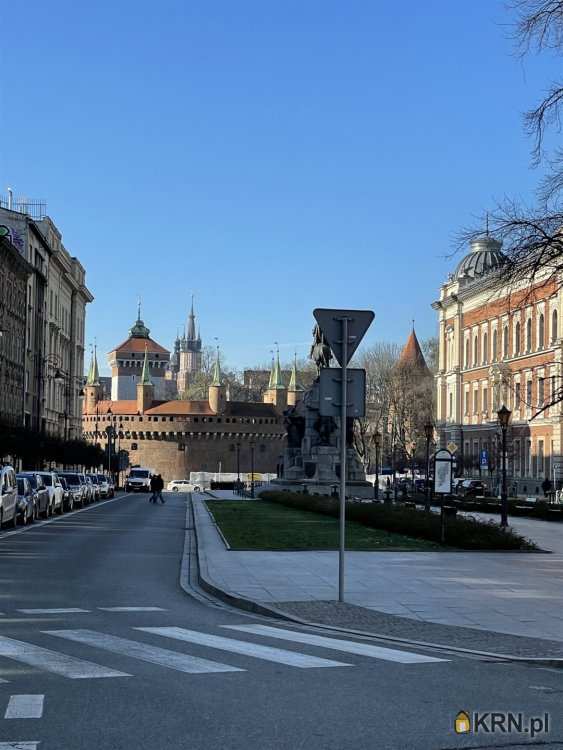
x=56 y=299
x=176 y=437
x=499 y=346
x=14 y=273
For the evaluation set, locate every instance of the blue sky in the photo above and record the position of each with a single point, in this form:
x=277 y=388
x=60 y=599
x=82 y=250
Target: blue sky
x=270 y=157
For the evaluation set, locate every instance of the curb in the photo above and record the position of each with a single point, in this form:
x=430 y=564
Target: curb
x=250 y=605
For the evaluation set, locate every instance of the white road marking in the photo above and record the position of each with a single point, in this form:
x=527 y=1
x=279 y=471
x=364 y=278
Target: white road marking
x=278 y=655
x=132 y=609
x=19 y=745
x=145 y=652
x=52 y=661
x=52 y=611
x=25 y=707
x=349 y=647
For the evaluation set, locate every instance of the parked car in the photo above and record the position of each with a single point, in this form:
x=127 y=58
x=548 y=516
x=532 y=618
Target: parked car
x=472 y=487
x=8 y=496
x=86 y=488
x=75 y=486
x=55 y=490
x=68 y=494
x=42 y=499
x=182 y=485
x=26 y=510
x=95 y=484
x=103 y=485
x=139 y=479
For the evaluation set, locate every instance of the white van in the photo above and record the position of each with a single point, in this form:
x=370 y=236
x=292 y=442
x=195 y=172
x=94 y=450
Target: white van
x=139 y=479
x=8 y=496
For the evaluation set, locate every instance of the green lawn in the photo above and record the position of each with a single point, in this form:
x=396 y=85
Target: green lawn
x=257 y=524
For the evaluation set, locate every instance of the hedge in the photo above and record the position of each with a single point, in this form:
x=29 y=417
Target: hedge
x=463 y=533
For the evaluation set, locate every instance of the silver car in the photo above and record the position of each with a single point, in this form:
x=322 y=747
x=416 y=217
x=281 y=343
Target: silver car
x=8 y=496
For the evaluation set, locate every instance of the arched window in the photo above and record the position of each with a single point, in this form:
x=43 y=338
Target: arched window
x=517 y=338
x=495 y=346
x=505 y=342
x=485 y=348
x=467 y=352
x=529 y=335
x=451 y=414
x=475 y=348
x=541 y=332
x=554 y=325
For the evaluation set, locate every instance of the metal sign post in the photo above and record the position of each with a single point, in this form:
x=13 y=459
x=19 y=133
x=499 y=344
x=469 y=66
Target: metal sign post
x=343 y=331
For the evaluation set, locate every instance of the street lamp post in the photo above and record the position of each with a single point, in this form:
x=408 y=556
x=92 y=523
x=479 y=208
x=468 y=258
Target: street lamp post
x=503 y=415
x=429 y=433
x=377 y=444
x=238 y=463
x=251 y=469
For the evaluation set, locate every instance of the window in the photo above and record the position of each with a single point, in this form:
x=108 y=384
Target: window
x=467 y=352
x=485 y=399
x=540 y=457
x=529 y=335
x=541 y=332
x=541 y=392
x=517 y=396
x=475 y=402
x=475 y=347
x=554 y=326
x=517 y=338
x=485 y=348
x=451 y=411
x=495 y=346
x=467 y=402
x=528 y=393
x=505 y=342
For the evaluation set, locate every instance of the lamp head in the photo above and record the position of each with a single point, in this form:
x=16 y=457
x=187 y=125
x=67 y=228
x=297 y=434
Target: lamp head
x=504 y=415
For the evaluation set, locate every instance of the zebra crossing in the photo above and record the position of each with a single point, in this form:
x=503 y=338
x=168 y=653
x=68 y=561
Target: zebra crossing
x=55 y=660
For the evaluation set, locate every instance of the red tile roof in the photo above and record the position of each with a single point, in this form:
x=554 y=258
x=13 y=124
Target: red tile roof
x=136 y=344
x=181 y=408
x=184 y=408
x=412 y=353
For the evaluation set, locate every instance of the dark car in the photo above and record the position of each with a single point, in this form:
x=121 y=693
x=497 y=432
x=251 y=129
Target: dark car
x=472 y=488
x=42 y=500
x=74 y=486
x=25 y=504
x=68 y=495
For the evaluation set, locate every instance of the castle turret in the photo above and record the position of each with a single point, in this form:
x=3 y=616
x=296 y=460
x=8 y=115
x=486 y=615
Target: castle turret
x=276 y=394
x=92 y=388
x=217 y=395
x=145 y=388
x=294 y=390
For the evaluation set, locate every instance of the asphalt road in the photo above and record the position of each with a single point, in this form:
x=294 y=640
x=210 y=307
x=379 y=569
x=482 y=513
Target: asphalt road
x=97 y=682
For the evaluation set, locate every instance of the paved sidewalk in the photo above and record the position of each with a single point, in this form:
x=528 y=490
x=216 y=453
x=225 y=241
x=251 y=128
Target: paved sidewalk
x=513 y=593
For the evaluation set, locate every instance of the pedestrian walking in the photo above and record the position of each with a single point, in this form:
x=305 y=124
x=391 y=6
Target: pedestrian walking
x=154 y=489
x=159 y=486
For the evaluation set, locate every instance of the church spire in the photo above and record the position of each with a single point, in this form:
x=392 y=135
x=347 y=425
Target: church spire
x=145 y=374
x=191 y=334
x=293 y=385
x=93 y=372
x=276 y=381
x=217 y=370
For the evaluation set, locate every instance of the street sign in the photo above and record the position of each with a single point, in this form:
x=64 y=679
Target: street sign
x=484 y=460
x=443 y=461
x=330 y=392
x=330 y=323
x=451 y=446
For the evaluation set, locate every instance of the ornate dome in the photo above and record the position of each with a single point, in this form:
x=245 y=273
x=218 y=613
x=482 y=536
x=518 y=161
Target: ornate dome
x=485 y=256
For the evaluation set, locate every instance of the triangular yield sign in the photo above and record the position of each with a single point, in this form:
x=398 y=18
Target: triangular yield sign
x=330 y=323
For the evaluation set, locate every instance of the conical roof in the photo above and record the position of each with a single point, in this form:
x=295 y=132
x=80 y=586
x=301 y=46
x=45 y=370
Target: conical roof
x=145 y=374
x=93 y=372
x=190 y=333
x=293 y=384
x=276 y=381
x=412 y=355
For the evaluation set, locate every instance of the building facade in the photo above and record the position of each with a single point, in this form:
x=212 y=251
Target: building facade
x=14 y=273
x=500 y=346
x=175 y=437
x=55 y=308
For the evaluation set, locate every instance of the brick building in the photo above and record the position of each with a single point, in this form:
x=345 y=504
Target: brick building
x=500 y=346
x=176 y=437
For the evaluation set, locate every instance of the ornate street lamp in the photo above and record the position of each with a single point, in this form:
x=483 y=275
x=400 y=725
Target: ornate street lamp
x=377 y=444
x=429 y=434
x=504 y=415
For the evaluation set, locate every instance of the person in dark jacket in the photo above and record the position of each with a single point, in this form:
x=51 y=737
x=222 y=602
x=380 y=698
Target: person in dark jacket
x=159 y=486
